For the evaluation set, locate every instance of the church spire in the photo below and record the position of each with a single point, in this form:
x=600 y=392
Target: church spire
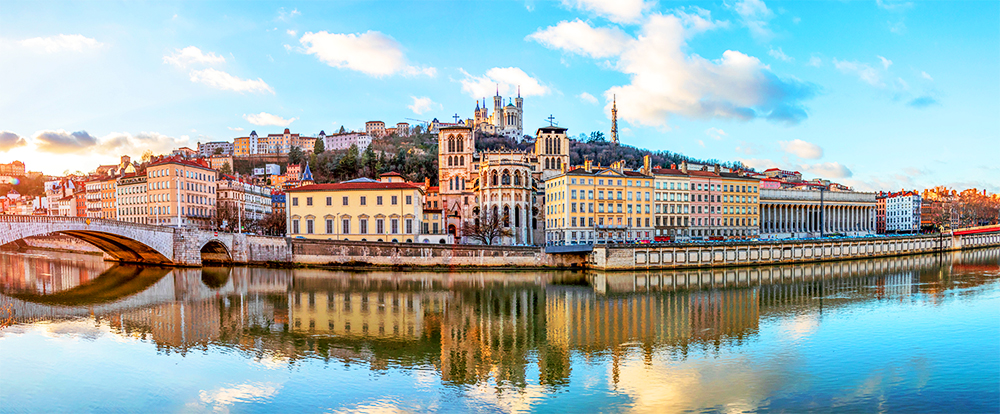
x=614 y=120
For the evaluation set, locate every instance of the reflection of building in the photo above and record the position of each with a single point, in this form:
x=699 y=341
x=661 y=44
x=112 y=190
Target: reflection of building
x=383 y=314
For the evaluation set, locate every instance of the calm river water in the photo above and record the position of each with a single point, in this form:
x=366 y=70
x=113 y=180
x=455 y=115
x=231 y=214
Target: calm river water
x=911 y=334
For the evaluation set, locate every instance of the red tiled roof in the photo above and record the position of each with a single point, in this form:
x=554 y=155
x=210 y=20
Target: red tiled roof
x=391 y=174
x=355 y=186
x=667 y=171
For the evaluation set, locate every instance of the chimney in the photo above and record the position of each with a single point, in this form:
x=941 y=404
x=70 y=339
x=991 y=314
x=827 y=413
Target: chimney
x=588 y=165
x=563 y=165
x=427 y=182
x=684 y=166
x=716 y=168
x=645 y=164
x=673 y=166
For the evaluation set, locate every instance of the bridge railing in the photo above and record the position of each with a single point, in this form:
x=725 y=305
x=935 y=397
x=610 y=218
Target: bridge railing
x=77 y=220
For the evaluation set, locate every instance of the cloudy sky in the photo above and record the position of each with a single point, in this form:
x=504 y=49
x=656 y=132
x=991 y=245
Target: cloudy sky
x=879 y=95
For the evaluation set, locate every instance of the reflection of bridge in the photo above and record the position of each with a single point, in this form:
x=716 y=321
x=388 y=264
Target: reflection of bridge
x=143 y=243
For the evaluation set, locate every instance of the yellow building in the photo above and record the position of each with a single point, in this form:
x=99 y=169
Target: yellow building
x=360 y=210
x=740 y=204
x=588 y=205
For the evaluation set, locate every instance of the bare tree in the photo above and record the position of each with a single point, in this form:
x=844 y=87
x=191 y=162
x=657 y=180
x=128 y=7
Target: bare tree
x=486 y=228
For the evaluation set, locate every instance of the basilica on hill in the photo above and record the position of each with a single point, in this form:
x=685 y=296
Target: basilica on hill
x=505 y=183
x=505 y=120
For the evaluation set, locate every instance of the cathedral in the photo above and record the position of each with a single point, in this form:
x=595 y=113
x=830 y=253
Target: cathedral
x=506 y=183
x=505 y=120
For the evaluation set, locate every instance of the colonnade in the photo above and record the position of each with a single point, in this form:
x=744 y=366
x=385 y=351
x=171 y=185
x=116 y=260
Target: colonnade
x=805 y=218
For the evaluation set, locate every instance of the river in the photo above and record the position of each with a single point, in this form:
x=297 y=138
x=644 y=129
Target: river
x=907 y=334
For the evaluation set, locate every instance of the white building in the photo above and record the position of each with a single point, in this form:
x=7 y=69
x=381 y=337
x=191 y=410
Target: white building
x=253 y=201
x=208 y=149
x=902 y=212
x=345 y=140
x=131 y=199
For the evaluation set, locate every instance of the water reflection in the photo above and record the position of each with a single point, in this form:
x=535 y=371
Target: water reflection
x=655 y=333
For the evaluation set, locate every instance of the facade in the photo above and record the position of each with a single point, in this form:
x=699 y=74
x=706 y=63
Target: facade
x=131 y=198
x=672 y=198
x=880 y=213
x=902 y=212
x=272 y=144
x=375 y=129
x=739 y=206
x=360 y=210
x=552 y=150
x=217 y=162
x=181 y=192
x=101 y=197
x=14 y=169
x=505 y=189
x=599 y=205
x=403 y=129
x=208 y=149
x=811 y=213
x=706 y=204
x=505 y=120
x=250 y=201
x=345 y=140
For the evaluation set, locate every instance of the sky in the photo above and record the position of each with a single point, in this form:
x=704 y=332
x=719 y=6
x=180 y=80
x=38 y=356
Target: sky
x=880 y=95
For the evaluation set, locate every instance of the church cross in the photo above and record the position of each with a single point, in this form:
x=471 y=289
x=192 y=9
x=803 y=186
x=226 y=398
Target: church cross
x=551 y=119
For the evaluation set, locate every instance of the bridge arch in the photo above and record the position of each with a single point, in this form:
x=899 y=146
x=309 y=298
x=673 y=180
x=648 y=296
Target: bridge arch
x=215 y=251
x=125 y=242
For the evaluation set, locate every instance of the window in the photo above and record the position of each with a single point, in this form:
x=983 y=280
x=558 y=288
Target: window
x=344 y=200
x=409 y=226
x=309 y=201
x=295 y=202
x=309 y=226
x=395 y=200
x=345 y=226
x=378 y=201
x=379 y=226
x=329 y=226
x=363 y=226
x=364 y=200
x=409 y=200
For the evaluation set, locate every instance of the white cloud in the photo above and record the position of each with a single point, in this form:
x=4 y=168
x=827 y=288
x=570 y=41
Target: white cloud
x=588 y=98
x=192 y=55
x=82 y=142
x=801 y=149
x=265 y=118
x=815 y=61
x=897 y=27
x=666 y=81
x=371 y=53
x=926 y=76
x=746 y=148
x=422 y=104
x=60 y=43
x=237 y=129
x=580 y=38
x=893 y=5
x=780 y=55
x=285 y=16
x=828 y=170
x=618 y=11
x=756 y=16
x=863 y=71
x=715 y=133
x=508 y=80
x=222 y=80
x=701 y=143
x=291 y=32
x=885 y=62
x=10 y=140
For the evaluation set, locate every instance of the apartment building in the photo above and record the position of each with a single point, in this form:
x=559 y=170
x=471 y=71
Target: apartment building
x=672 y=198
x=131 y=198
x=361 y=209
x=181 y=192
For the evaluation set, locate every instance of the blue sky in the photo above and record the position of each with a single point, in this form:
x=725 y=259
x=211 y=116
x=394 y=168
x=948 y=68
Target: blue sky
x=877 y=95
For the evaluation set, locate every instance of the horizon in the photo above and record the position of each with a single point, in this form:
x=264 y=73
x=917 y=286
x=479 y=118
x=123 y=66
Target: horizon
x=881 y=95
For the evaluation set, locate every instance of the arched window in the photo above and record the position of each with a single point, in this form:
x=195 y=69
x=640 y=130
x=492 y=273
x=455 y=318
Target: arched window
x=449 y=161
x=495 y=212
x=517 y=216
x=451 y=143
x=461 y=144
x=506 y=216
x=505 y=179
x=461 y=160
x=493 y=181
x=546 y=163
x=517 y=178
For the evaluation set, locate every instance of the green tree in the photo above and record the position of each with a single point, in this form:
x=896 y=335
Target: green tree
x=596 y=136
x=370 y=160
x=226 y=168
x=218 y=151
x=295 y=155
x=319 y=148
x=349 y=163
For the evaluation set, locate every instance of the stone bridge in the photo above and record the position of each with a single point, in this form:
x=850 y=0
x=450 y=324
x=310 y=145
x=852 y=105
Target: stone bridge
x=148 y=244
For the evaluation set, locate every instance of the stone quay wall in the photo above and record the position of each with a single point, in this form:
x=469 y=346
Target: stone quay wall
x=352 y=253
x=695 y=255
